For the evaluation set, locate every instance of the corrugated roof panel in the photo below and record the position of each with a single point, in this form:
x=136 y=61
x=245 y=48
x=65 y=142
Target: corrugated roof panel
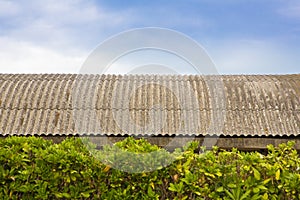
x=6 y=93
x=3 y=120
x=149 y=104
x=41 y=126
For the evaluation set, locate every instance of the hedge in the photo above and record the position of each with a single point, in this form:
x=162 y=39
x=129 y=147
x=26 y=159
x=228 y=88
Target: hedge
x=34 y=168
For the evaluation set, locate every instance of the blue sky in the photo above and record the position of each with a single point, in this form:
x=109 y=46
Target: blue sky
x=241 y=37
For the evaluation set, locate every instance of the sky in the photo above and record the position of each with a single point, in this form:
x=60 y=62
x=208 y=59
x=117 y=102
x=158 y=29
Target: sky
x=240 y=36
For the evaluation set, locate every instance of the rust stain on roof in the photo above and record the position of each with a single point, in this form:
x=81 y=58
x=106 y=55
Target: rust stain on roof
x=72 y=104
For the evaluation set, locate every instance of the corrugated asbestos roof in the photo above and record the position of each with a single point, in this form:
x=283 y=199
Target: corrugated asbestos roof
x=70 y=104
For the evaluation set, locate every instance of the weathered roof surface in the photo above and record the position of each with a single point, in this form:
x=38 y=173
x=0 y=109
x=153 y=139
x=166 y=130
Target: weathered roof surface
x=70 y=104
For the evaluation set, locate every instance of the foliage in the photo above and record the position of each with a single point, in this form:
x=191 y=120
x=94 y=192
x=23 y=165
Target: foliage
x=34 y=168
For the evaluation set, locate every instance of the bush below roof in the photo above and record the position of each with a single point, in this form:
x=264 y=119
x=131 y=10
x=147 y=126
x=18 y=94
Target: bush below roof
x=34 y=168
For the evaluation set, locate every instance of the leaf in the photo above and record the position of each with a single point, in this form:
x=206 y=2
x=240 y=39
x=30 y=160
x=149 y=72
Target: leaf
x=277 y=175
x=150 y=192
x=67 y=195
x=267 y=181
x=256 y=190
x=107 y=168
x=179 y=167
x=220 y=189
x=256 y=174
x=152 y=185
x=245 y=195
x=73 y=178
x=185 y=197
x=265 y=196
x=231 y=185
x=246 y=168
x=58 y=195
x=256 y=197
x=197 y=193
x=229 y=194
x=68 y=179
x=85 y=195
x=219 y=174
x=172 y=187
x=262 y=187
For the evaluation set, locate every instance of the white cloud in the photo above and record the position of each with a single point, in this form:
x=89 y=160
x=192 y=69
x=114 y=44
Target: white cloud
x=51 y=36
x=150 y=61
x=24 y=57
x=53 y=22
x=55 y=36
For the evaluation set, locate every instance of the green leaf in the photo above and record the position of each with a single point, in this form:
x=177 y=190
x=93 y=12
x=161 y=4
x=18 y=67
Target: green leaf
x=197 y=193
x=256 y=197
x=256 y=174
x=245 y=195
x=85 y=194
x=219 y=174
x=58 y=195
x=256 y=190
x=220 y=189
x=172 y=187
x=150 y=191
x=67 y=195
x=265 y=196
x=230 y=194
x=267 y=181
x=231 y=185
x=277 y=174
x=262 y=187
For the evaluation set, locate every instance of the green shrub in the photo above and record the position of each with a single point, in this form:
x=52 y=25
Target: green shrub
x=34 y=168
